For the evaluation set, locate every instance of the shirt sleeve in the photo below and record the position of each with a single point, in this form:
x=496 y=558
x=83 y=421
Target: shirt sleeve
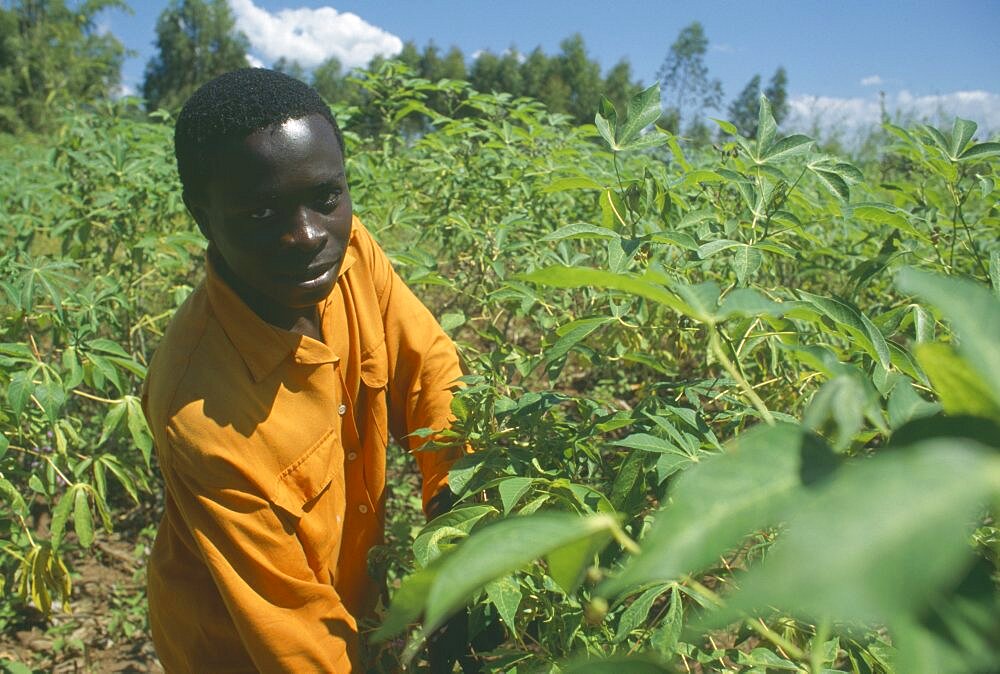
x=424 y=369
x=288 y=619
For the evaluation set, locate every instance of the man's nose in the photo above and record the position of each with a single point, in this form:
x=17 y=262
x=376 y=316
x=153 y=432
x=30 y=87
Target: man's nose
x=306 y=231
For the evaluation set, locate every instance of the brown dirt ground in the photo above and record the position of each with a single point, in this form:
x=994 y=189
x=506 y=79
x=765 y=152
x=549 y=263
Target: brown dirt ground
x=106 y=631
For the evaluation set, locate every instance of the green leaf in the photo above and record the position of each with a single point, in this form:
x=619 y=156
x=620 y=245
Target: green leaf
x=961 y=133
x=573 y=183
x=582 y=277
x=112 y=419
x=643 y=110
x=505 y=593
x=566 y=564
x=634 y=617
x=650 y=443
x=606 y=129
x=766 y=127
x=51 y=397
x=60 y=514
x=980 y=150
x=747 y=262
x=995 y=271
x=652 y=139
x=83 y=522
x=668 y=634
x=512 y=490
x=573 y=333
x=856 y=323
x=12 y=497
x=750 y=303
x=457 y=522
x=787 y=148
x=973 y=312
x=709 y=249
x=728 y=127
x=452 y=320
x=879 y=540
x=959 y=387
x=581 y=230
x=501 y=548
x=718 y=502
x=137 y=428
x=702 y=176
x=833 y=182
x=19 y=390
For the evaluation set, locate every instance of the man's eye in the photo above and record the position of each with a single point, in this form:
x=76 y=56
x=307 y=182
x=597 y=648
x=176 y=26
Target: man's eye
x=262 y=213
x=330 y=201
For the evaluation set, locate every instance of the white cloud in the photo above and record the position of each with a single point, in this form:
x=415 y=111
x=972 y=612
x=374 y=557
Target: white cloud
x=722 y=47
x=254 y=61
x=310 y=36
x=871 y=81
x=122 y=90
x=852 y=117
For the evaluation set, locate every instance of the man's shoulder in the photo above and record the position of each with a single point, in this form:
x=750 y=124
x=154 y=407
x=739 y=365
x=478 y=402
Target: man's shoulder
x=172 y=362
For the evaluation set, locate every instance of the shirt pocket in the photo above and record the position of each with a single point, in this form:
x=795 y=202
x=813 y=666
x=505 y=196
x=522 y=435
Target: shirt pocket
x=371 y=412
x=311 y=476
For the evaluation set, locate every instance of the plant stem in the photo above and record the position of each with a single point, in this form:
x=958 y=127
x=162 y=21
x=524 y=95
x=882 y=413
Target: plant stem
x=758 y=625
x=716 y=347
x=815 y=651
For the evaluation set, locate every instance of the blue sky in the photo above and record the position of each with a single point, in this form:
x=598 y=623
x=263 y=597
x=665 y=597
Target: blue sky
x=929 y=57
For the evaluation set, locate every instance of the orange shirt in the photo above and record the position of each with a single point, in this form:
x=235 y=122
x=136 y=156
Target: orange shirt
x=272 y=447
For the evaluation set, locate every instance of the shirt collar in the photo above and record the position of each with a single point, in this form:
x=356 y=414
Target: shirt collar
x=261 y=345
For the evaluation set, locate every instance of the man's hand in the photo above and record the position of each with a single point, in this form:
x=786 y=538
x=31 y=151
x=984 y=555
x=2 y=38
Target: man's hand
x=449 y=643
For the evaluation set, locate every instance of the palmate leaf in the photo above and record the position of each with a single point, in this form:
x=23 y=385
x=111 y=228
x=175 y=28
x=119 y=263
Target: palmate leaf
x=961 y=133
x=643 y=110
x=493 y=552
x=973 y=312
x=786 y=148
x=855 y=323
x=878 y=541
x=718 y=502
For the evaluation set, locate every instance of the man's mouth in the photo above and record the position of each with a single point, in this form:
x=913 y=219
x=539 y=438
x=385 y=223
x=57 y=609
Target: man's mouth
x=312 y=273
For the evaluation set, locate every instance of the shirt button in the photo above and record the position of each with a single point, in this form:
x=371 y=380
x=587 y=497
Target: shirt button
x=342 y=409
x=351 y=456
x=362 y=508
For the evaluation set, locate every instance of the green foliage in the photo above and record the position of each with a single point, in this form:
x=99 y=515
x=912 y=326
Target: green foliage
x=196 y=40
x=53 y=56
x=684 y=76
x=733 y=408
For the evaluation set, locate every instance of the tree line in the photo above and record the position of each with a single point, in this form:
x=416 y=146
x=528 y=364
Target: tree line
x=53 y=55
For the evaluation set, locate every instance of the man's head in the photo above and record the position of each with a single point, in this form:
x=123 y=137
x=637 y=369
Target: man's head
x=261 y=161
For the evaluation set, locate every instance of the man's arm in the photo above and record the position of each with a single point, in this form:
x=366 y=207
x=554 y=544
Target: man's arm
x=287 y=619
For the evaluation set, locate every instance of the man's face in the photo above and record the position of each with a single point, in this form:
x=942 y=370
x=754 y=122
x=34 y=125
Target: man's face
x=277 y=215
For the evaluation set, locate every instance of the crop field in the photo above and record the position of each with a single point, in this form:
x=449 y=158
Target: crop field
x=734 y=406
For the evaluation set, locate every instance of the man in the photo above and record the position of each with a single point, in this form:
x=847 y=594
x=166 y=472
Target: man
x=273 y=392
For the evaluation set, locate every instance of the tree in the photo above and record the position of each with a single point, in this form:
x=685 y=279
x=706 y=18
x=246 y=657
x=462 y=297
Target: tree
x=743 y=109
x=52 y=56
x=196 y=40
x=618 y=84
x=453 y=66
x=684 y=74
x=777 y=95
x=582 y=76
x=292 y=68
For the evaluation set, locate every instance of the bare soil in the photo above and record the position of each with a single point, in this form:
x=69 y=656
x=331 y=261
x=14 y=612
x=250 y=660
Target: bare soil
x=106 y=630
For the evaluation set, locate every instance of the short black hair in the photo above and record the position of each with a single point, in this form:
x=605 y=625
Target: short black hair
x=231 y=107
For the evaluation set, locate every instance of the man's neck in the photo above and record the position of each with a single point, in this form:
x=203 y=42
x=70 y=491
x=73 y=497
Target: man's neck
x=303 y=321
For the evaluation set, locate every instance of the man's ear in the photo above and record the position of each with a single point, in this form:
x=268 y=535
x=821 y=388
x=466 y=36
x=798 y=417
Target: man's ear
x=199 y=211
